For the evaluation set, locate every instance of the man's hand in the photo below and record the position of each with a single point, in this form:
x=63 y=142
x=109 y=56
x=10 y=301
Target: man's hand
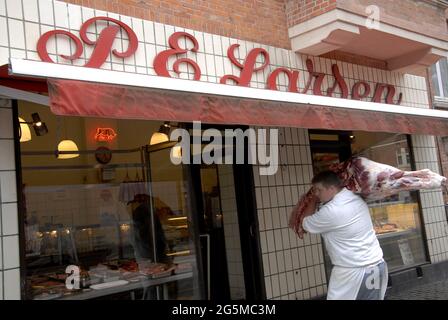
x=306 y=206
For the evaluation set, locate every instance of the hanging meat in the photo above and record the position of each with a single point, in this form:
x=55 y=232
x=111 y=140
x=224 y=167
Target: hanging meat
x=372 y=181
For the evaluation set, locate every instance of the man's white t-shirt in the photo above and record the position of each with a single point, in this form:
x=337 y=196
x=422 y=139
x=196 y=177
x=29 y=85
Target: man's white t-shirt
x=345 y=224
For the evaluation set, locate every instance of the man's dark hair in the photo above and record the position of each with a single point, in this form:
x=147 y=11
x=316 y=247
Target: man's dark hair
x=327 y=178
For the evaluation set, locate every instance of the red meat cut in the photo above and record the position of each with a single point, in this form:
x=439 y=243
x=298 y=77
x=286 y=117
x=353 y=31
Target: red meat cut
x=372 y=181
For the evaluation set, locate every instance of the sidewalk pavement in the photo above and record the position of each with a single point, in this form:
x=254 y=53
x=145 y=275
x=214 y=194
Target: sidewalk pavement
x=437 y=290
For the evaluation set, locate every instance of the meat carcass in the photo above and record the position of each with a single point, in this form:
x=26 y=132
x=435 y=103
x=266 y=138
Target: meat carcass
x=372 y=181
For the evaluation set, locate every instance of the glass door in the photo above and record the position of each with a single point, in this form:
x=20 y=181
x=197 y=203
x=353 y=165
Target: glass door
x=174 y=237
x=219 y=230
x=227 y=227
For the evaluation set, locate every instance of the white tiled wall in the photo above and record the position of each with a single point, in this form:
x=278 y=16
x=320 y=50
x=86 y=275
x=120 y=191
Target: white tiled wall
x=9 y=240
x=301 y=261
x=25 y=21
x=293 y=268
x=434 y=216
x=231 y=232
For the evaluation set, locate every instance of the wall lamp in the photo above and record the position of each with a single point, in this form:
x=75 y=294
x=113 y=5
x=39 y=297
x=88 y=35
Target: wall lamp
x=40 y=128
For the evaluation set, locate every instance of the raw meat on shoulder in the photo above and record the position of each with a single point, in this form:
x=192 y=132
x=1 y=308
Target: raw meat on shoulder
x=372 y=181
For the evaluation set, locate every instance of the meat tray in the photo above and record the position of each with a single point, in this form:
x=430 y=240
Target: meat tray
x=162 y=274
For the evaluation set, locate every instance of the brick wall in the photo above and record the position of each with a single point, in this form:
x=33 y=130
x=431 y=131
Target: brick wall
x=298 y=11
x=254 y=20
x=425 y=16
x=265 y=21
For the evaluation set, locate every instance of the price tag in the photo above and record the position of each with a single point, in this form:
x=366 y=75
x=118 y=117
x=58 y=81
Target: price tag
x=405 y=251
x=108 y=174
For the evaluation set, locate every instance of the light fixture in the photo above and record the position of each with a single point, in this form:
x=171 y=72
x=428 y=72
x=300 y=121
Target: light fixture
x=158 y=137
x=24 y=131
x=125 y=227
x=67 y=146
x=161 y=135
x=352 y=138
x=177 y=218
x=176 y=152
x=39 y=127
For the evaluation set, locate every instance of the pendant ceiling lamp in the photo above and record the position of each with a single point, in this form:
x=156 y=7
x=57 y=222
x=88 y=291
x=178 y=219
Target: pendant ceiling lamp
x=25 y=132
x=67 y=146
x=161 y=135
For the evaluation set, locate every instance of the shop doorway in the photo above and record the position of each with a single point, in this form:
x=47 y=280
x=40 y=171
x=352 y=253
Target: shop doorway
x=327 y=148
x=226 y=220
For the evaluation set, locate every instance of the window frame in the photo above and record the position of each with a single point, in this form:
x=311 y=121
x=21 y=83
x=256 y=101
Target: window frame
x=439 y=81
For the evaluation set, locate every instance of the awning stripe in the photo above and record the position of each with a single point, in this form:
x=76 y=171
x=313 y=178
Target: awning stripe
x=79 y=98
x=92 y=92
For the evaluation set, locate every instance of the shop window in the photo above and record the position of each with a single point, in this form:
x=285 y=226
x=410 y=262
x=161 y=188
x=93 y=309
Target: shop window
x=403 y=158
x=396 y=219
x=115 y=209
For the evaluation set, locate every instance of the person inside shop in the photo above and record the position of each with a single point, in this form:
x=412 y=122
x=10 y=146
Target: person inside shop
x=109 y=223
x=359 y=271
x=143 y=237
x=142 y=231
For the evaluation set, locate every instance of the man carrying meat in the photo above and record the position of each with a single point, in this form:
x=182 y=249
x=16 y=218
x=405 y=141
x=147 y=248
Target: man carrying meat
x=359 y=271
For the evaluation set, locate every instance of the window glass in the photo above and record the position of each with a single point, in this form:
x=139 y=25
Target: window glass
x=396 y=219
x=119 y=212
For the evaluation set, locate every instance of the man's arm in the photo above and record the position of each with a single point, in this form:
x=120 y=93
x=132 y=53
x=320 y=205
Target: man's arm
x=319 y=222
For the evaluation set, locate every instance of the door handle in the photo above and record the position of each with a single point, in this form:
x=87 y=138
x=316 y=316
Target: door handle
x=251 y=230
x=207 y=236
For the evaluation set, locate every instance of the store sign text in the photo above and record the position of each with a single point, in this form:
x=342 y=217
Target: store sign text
x=103 y=47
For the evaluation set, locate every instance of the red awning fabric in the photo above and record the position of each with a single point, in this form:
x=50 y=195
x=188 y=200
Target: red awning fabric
x=22 y=83
x=80 y=98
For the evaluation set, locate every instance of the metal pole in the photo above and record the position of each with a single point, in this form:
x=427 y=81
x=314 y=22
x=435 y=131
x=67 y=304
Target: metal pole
x=151 y=206
x=207 y=236
x=75 y=250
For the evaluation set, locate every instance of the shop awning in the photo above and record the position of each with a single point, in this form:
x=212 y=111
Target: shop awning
x=21 y=83
x=78 y=91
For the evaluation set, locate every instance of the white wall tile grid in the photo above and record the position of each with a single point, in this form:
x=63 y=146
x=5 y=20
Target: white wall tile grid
x=433 y=208
x=9 y=240
x=26 y=20
x=293 y=268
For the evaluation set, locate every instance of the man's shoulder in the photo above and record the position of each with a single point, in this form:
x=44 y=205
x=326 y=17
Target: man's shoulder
x=348 y=194
x=347 y=201
x=329 y=208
